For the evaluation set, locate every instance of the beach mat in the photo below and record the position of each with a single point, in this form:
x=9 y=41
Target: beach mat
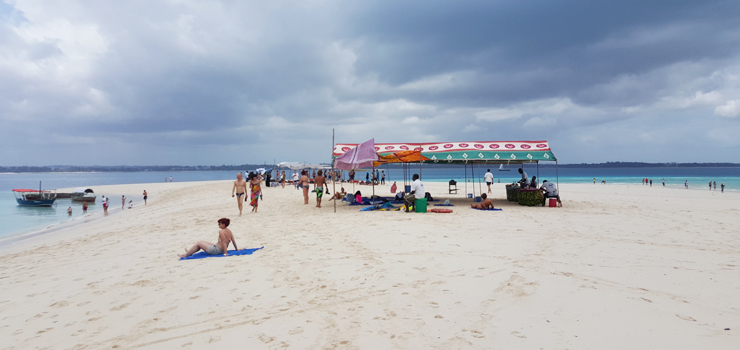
x=444 y=205
x=494 y=209
x=203 y=255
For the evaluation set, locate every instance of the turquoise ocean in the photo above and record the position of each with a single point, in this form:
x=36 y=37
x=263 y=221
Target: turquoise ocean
x=15 y=220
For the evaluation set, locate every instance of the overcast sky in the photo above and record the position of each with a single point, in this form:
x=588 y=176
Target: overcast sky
x=232 y=82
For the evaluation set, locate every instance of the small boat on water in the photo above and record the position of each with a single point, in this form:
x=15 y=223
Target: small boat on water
x=82 y=194
x=501 y=168
x=35 y=198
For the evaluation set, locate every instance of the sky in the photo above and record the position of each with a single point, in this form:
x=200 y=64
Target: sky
x=233 y=82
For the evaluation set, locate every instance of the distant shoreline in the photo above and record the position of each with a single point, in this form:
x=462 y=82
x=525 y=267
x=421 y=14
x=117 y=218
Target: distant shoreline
x=173 y=168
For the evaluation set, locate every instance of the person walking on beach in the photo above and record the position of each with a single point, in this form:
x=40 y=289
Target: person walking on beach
x=295 y=178
x=319 y=181
x=723 y=187
x=240 y=189
x=715 y=185
x=145 y=197
x=254 y=185
x=123 y=202
x=710 y=185
x=105 y=204
x=282 y=179
x=686 y=184
x=382 y=178
x=651 y=183
x=225 y=237
x=488 y=177
x=304 y=183
x=663 y=182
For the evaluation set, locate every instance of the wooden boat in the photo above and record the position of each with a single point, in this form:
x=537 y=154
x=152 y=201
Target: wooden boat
x=35 y=198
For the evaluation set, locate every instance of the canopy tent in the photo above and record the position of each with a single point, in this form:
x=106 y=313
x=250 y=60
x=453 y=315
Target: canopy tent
x=498 y=152
x=472 y=152
x=301 y=166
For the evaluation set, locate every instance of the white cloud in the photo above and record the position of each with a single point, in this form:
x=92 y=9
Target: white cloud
x=731 y=109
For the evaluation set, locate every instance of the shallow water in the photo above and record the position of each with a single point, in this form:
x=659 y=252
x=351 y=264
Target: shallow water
x=15 y=219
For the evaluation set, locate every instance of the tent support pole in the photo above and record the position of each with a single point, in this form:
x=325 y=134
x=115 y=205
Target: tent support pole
x=480 y=188
x=538 y=172
x=466 y=178
x=557 y=177
x=333 y=173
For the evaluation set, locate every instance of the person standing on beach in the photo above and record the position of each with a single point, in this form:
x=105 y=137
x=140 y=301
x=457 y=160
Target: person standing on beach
x=715 y=185
x=651 y=183
x=240 y=187
x=84 y=207
x=488 y=177
x=69 y=211
x=282 y=179
x=304 y=183
x=254 y=185
x=723 y=187
x=351 y=176
x=319 y=181
x=170 y=178
x=686 y=184
x=295 y=178
x=145 y=197
x=663 y=182
x=123 y=202
x=382 y=178
x=710 y=185
x=524 y=182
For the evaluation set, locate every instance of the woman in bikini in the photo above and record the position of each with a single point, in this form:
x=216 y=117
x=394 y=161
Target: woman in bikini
x=304 y=183
x=224 y=238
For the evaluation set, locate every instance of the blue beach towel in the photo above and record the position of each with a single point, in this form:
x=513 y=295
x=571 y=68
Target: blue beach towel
x=494 y=209
x=203 y=255
x=444 y=205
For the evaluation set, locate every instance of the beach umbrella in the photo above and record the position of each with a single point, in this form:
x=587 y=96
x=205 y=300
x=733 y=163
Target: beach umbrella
x=362 y=156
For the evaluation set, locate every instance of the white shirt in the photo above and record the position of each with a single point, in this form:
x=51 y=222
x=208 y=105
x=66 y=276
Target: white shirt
x=419 y=188
x=488 y=177
x=525 y=177
x=295 y=176
x=550 y=188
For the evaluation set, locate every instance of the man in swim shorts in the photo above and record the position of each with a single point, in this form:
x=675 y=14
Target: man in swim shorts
x=240 y=187
x=319 y=181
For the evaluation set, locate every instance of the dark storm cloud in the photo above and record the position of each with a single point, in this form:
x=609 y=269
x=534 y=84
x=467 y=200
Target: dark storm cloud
x=191 y=82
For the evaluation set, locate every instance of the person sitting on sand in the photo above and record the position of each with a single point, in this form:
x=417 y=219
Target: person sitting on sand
x=224 y=238
x=339 y=195
x=485 y=204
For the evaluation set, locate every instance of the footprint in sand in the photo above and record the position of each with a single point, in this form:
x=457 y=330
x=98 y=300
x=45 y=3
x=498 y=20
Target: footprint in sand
x=297 y=330
x=518 y=335
x=686 y=318
x=265 y=338
x=62 y=303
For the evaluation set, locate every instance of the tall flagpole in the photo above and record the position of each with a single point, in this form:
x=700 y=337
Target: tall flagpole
x=333 y=173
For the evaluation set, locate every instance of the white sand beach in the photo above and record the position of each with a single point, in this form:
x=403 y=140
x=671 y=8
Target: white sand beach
x=618 y=267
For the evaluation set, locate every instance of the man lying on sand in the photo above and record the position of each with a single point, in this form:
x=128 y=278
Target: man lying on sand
x=485 y=204
x=224 y=238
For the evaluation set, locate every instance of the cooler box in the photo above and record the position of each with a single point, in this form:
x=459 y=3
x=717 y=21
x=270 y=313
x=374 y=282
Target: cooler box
x=477 y=198
x=470 y=195
x=553 y=202
x=407 y=189
x=420 y=205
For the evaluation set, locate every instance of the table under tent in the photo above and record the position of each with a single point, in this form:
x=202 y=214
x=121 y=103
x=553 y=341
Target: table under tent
x=471 y=154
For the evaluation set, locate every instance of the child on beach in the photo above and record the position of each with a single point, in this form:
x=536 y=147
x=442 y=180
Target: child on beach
x=225 y=236
x=69 y=211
